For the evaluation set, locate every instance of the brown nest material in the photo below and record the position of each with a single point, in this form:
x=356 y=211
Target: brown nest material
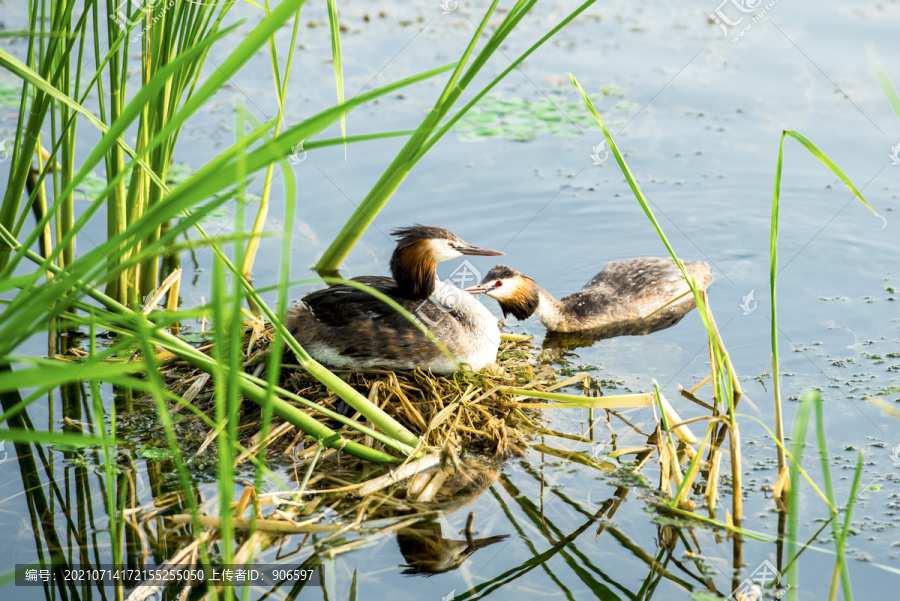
x=466 y=412
x=470 y=422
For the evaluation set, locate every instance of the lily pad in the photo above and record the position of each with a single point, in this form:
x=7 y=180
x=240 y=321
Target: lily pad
x=519 y=119
x=153 y=453
x=10 y=91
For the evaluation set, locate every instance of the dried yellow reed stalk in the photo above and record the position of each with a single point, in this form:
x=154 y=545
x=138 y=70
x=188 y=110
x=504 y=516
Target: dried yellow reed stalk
x=262 y=525
x=153 y=302
x=417 y=485
x=712 y=481
x=629 y=451
x=683 y=433
x=686 y=489
x=403 y=472
x=434 y=486
x=782 y=490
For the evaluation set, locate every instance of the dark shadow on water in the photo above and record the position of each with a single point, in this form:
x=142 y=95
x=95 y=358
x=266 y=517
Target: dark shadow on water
x=427 y=552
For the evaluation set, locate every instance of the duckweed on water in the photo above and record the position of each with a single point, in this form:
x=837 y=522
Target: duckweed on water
x=10 y=91
x=522 y=120
x=93 y=185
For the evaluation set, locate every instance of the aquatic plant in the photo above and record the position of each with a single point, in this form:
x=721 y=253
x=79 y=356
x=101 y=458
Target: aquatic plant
x=119 y=287
x=728 y=393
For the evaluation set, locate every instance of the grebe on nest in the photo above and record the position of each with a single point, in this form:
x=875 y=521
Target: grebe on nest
x=342 y=326
x=627 y=297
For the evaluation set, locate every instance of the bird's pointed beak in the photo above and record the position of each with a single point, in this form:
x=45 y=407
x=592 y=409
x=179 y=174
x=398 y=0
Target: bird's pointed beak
x=478 y=251
x=478 y=289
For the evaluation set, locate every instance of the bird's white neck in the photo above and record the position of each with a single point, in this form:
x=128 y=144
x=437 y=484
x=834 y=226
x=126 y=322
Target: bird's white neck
x=478 y=323
x=549 y=310
x=458 y=302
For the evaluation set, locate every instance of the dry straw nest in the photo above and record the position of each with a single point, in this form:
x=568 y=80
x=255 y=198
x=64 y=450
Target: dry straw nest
x=470 y=412
x=471 y=418
x=468 y=423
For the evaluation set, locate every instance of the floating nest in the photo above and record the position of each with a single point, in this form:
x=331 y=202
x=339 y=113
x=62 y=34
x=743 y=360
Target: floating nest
x=468 y=424
x=470 y=421
x=467 y=411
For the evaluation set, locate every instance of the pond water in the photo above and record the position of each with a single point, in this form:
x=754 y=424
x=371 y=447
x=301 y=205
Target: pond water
x=698 y=115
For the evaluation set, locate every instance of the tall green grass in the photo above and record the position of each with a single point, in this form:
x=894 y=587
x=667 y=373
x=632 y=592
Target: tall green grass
x=57 y=81
x=98 y=290
x=438 y=122
x=725 y=380
x=77 y=52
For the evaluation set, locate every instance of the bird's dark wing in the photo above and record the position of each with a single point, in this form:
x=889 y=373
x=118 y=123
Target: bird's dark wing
x=343 y=304
x=372 y=330
x=382 y=282
x=634 y=277
x=636 y=288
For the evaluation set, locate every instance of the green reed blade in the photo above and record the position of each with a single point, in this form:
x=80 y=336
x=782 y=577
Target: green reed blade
x=334 y=29
x=798 y=438
x=840 y=564
x=429 y=132
x=885 y=81
x=773 y=261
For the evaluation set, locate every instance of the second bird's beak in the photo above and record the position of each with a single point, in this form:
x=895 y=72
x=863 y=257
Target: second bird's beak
x=477 y=289
x=478 y=251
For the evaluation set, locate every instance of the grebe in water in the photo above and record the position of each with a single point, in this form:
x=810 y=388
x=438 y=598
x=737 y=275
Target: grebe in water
x=341 y=325
x=627 y=297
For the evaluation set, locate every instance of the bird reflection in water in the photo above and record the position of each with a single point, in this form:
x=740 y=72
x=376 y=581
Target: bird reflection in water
x=427 y=552
x=423 y=545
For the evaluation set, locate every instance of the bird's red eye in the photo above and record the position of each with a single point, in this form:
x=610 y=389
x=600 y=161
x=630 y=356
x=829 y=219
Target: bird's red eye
x=498 y=284
x=449 y=244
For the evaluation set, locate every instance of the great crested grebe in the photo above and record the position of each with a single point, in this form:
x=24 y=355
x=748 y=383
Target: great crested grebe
x=627 y=297
x=341 y=325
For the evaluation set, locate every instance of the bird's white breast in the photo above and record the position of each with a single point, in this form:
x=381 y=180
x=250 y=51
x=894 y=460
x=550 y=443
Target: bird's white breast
x=482 y=333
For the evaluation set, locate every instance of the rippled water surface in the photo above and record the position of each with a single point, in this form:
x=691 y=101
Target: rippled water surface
x=698 y=116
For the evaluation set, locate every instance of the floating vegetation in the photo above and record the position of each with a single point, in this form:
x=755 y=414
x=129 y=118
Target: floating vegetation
x=10 y=91
x=465 y=412
x=468 y=424
x=519 y=119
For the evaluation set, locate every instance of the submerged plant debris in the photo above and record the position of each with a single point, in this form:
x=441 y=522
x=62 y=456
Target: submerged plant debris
x=465 y=412
x=520 y=119
x=468 y=423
